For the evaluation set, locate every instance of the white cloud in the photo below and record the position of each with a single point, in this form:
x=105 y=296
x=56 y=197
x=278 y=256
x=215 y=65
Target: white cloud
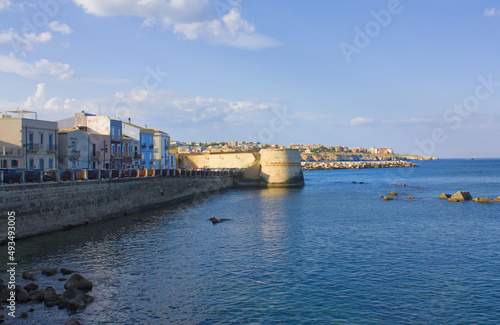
x=10 y=64
x=36 y=100
x=362 y=121
x=192 y=19
x=4 y=4
x=492 y=12
x=61 y=28
x=57 y=103
x=23 y=43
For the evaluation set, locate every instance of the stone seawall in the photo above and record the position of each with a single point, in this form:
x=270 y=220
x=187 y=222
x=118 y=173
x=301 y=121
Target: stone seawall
x=47 y=207
x=355 y=165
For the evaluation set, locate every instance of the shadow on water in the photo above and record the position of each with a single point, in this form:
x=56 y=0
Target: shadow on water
x=69 y=240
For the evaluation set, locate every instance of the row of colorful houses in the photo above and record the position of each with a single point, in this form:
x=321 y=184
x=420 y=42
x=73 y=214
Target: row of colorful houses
x=82 y=141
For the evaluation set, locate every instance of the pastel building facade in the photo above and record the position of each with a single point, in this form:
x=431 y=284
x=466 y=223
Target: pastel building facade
x=73 y=149
x=27 y=143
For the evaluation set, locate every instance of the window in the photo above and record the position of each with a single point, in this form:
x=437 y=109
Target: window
x=4 y=163
x=41 y=164
x=31 y=164
x=14 y=163
x=119 y=148
x=113 y=149
x=51 y=144
x=124 y=148
x=41 y=138
x=51 y=163
x=73 y=164
x=30 y=141
x=94 y=149
x=129 y=148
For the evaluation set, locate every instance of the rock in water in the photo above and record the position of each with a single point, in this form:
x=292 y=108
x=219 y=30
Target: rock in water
x=482 y=200
x=445 y=196
x=73 y=321
x=388 y=198
x=214 y=220
x=31 y=286
x=497 y=199
x=410 y=197
x=460 y=196
x=393 y=193
x=79 y=282
x=21 y=294
x=28 y=276
x=66 y=271
x=49 y=271
x=50 y=297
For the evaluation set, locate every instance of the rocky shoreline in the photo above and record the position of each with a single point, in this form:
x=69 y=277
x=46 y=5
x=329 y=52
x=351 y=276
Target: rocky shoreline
x=323 y=165
x=75 y=298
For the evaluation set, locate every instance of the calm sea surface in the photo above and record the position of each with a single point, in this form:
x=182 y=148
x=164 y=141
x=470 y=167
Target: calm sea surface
x=332 y=252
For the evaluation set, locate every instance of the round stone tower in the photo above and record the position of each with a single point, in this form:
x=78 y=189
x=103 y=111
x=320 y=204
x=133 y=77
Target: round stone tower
x=281 y=167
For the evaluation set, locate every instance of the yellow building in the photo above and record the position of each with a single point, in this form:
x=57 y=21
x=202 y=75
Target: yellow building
x=27 y=143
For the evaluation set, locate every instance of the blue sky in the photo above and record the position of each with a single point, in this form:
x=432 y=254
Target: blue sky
x=420 y=76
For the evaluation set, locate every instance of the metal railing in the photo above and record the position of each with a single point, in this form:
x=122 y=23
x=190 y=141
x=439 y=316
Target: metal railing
x=10 y=151
x=34 y=176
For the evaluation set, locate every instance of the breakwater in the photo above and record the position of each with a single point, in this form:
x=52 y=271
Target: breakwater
x=51 y=206
x=355 y=164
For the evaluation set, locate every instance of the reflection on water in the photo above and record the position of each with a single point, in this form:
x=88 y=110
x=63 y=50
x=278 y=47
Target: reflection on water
x=330 y=253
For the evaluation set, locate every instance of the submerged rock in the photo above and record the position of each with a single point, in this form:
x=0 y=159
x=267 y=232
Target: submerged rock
x=482 y=200
x=216 y=221
x=49 y=271
x=66 y=271
x=73 y=321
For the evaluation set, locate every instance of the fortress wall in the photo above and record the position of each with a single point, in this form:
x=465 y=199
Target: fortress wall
x=228 y=160
x=281 y=167
x=48 y=207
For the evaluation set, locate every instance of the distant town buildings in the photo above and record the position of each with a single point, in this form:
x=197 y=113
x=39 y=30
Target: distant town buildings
x=101 y=142
x=310 y=148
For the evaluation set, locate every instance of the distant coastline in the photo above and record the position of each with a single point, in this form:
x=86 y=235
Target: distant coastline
x=347 y=156
x=329 y=165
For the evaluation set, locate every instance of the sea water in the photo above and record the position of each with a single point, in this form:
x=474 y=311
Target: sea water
x=332 y=252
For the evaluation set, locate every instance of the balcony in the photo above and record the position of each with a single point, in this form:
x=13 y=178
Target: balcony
x=52 y=148
x=95 y=156
x=33 y=147
x=74 y=154
x=10 y=151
